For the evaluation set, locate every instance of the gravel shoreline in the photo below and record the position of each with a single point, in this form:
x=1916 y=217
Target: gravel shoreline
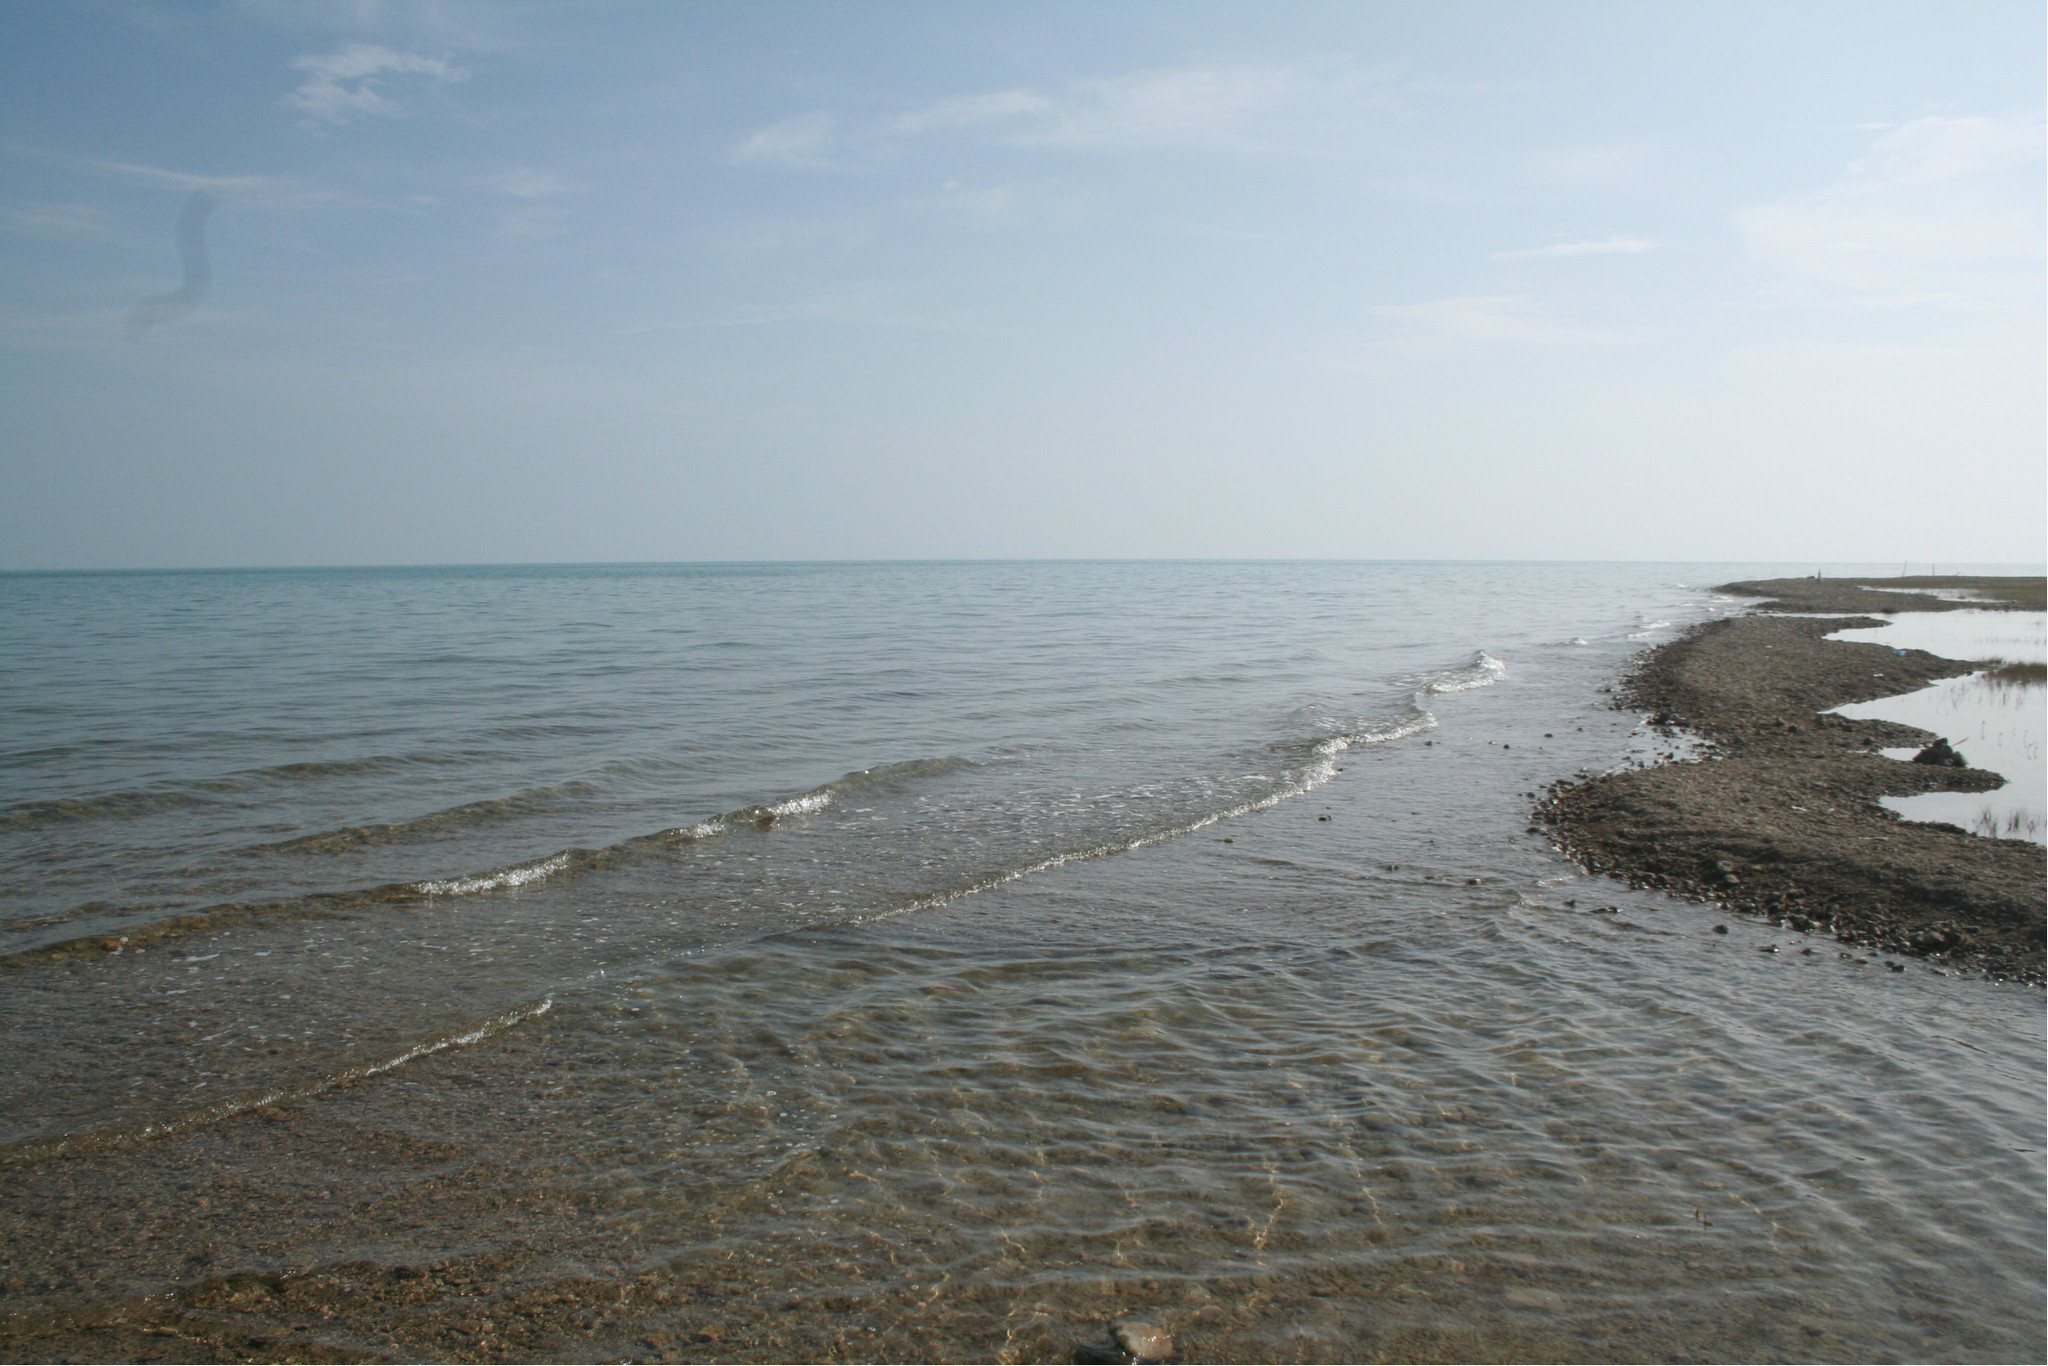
x=1781 y=819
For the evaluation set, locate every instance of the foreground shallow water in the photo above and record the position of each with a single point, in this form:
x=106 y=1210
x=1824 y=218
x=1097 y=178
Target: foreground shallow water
x=1312 y=1051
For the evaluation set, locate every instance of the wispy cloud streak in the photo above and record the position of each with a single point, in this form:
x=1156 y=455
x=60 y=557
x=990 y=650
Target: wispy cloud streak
x=1606 y=246
x=344 y=84
x=1277 y=109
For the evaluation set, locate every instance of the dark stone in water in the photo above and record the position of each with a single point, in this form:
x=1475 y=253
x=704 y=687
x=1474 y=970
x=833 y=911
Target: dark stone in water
x=1130 y=1341
x=1942 y=753
x=1720 y=929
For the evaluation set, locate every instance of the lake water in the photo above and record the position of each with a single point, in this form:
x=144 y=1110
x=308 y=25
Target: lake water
x=935 y=960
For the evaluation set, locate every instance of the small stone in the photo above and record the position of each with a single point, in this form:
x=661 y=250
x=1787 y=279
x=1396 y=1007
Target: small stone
x=1144 y=1341
x=1768 y=948
x=1720 y=929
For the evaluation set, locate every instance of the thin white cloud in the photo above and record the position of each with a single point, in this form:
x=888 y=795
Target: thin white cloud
x=167 y=179
x=247 y=191
x=344 y=84
x=535 y=221
x=1605 y=246
x=1588 y=165
x=1488 y=320
x=59 y=222
x=808 y=140
x=1211 y=109
x=465 y=25
x=524 y=182
x=1938 y=209
x=1292 y=109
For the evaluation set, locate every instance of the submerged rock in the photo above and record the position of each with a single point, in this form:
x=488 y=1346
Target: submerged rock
x=1143 y=1341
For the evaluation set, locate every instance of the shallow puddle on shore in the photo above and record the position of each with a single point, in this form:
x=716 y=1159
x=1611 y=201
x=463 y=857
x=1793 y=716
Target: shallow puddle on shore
x=2021 y=637
x=1994 y=723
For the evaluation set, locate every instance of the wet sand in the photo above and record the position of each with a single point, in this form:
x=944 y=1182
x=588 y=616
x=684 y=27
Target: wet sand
x=1784 y=821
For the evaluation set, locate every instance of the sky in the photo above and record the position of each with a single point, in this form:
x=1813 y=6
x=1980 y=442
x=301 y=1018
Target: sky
x=442 y=282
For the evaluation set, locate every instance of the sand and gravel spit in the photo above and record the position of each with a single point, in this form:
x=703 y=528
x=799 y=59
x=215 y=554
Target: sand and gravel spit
x=1782 y=820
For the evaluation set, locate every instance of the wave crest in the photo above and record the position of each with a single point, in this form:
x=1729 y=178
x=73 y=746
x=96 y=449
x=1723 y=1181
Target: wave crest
x=1483 y=671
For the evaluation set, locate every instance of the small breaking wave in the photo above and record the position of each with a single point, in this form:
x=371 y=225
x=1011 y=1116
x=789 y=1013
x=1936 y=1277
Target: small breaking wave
x=532 y=801
x=518 y=875
x=39 y=1149
x=126 y=933
x=149 y=801
x=883 y=777
x=1320 y=768
x=1483 y=671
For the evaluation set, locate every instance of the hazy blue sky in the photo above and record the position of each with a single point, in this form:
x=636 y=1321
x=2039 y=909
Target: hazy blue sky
x=767 y=280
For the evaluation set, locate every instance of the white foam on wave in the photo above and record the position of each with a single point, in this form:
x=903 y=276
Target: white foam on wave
x=518 y=876
x=496 y=1024
x=1482 y=672
x=803 y=804
x=1321 y=769
x=1649 y=630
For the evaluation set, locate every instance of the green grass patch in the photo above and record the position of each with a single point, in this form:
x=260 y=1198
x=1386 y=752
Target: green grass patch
x=2009 y=671
x=2017 y=590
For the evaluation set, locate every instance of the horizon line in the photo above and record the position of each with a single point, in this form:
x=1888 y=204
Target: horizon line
x=1957 y=568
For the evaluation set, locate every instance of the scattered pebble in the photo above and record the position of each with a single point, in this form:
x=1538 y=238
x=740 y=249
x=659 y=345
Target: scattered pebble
x=1144 y=1341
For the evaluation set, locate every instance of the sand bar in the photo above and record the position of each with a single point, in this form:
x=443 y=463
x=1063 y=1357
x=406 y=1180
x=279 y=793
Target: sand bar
x=1784 y=820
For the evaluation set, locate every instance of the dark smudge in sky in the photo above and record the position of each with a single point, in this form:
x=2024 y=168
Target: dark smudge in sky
x=168 y=308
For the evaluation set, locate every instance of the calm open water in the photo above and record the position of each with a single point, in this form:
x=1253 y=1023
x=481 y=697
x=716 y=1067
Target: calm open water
x=933 y=960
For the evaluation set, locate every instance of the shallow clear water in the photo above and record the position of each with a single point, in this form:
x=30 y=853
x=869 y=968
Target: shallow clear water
x=984 y=949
